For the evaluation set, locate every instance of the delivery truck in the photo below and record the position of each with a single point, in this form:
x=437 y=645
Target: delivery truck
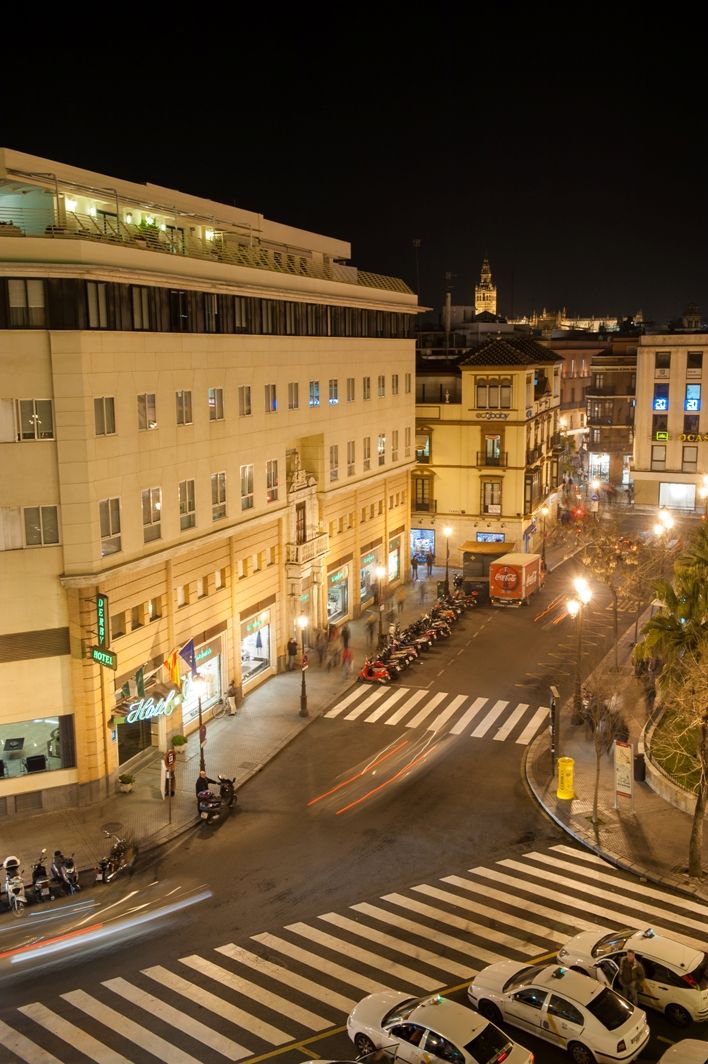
x=514 y=578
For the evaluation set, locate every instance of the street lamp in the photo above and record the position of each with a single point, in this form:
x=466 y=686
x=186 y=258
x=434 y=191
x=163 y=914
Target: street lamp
x=576 y=608
x=661 y=530
x=302 y=625
x=447 y=532
x=199 y=686
x=544 y=515
x=380 y=574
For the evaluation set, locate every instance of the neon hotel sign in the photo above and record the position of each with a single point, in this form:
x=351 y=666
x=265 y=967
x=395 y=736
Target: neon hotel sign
x=147 y=708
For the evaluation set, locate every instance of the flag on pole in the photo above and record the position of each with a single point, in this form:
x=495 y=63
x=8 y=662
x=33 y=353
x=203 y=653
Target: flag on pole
x=140 y=682
x=188 y=653
x=135 y=686
x=171 y=663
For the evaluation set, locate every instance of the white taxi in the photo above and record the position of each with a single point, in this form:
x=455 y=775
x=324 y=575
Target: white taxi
x=572 y=1011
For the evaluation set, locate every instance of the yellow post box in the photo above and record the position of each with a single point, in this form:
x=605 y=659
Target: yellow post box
x=566 y=770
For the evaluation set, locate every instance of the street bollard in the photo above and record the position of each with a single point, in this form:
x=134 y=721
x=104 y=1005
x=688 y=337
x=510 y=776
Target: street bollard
x=566 y=767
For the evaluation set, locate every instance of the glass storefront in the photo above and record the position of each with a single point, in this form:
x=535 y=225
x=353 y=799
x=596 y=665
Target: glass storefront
x=209 y=669
x=677 y=496
x=136 y=716
x=338 y=593
x=394 y=558
x=256 y=653
x=422 y=542
x=42 y=744
x=367 y=576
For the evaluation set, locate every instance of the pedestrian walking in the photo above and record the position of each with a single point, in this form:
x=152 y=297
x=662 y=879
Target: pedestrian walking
x=414 y=568
x=347 y=660
x=631 y=976
x=370 y=626
x=232 y=698
x=422 y=591
x=346 y=636
x=429 y=562
x=334 y=649
x=400 y=600
x=292 y=652
x=321 y=646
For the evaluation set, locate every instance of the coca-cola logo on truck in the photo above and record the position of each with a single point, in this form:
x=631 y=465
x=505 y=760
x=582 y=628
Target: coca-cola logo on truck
x=506 y=578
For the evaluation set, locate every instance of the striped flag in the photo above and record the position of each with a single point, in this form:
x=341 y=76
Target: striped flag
x=171 y=663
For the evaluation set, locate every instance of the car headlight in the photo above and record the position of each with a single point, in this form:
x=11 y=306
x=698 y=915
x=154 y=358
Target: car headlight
x=563 y=952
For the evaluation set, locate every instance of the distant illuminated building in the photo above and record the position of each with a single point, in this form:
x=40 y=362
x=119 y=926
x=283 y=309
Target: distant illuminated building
x=485 y=293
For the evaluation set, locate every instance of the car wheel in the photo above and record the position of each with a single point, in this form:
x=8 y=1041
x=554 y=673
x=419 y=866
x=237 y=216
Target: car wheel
x=364 y=1045
x=580 y=1053
x=677 y=1015
x=490 y=1011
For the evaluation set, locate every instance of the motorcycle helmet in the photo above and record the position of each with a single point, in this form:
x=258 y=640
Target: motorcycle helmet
x=11 y=864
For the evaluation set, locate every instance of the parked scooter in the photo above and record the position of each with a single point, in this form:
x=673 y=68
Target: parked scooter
x=14 y=886
x=121 y=858
x=211 y=805
x=65 y=872
x=40 y=880
x=374 y=672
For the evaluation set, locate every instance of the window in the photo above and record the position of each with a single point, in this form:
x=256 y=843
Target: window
x=137 y=617
x=394 y=384
x=182 y=596
x=351 y=458
x=422 y=447
x=218 y=496
x=558 y=1006
x=662 y=360
x=117 y=625
x=691 y=424
x=334 y=462
x=141 y=307
x=219 y=579
x=408 y=379
x=694 y=361
x=381 y=448
x=363 y=515
x=407 y=438
x=658 y=456
x=493 y=392
x=147 y=411
x=202 y=587
x=246 y=487
x=394 y=445
x=314 y=393
x=659 y=427
x=271 y=404
x=216 y=404
x=183 y=403
x=109 y=519
x=381 y=389
x=42 y=526
x=35 y=418
x=482 y=393
x=272 y=480
x=96 y=294
x=104 y=415
x=26 y=300
x=595 y=435
x=351 y=390
x=366 y=387
x=293 y=395
x=187 y=505
x=661 y=397
x=244 y=400
x=532 y=996
x=441 y=1048
x=367 y=453
x=491 y=496
x=152 y=505
x=689 y=460
x=333 y=391
x=505 y=393
x=154 y=610
x=692 y=402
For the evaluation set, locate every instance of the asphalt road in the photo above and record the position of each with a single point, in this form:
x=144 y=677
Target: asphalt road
x=357 y=808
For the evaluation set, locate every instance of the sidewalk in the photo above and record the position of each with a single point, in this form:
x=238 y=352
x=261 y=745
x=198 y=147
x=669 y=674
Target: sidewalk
x=239 y=746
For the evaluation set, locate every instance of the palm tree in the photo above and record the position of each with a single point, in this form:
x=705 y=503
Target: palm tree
x=678 y=635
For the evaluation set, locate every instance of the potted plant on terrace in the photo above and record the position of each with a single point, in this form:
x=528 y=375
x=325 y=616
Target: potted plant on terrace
x=179 y=744
x=125 y=782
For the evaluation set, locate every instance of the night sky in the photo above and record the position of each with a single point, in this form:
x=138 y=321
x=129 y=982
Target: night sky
x=575 y=161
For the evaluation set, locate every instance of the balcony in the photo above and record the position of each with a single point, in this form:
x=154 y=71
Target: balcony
x=617 y=390
x=534 y=456
x=302 y=553
x=424 y=506
x=485 y=460
x=557 y=442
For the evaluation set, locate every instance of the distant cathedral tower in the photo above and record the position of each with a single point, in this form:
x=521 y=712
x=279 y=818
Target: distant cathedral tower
x=485 y=293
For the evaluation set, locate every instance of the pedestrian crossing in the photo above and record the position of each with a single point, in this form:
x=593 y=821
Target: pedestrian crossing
x=242 y=1001
x=442 y=713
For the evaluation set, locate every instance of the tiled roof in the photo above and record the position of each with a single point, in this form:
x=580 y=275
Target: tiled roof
x=509 y=351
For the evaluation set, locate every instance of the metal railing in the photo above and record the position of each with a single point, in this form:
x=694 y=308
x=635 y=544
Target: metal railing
x=300 y=553
x=427 y=506
x=174 y=240
x=484 y=459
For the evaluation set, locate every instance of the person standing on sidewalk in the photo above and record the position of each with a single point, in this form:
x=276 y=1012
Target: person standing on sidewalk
x=346 y=636
x=423 y=591
x=631 y=976
x=429 y=562
x=400 y=600
x=370 y=626
x=231 y=697
x=292 y=653
x=414 y=568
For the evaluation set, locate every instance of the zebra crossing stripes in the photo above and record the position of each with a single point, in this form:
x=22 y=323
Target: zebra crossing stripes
x=24 y=1047
x=276 y=972
x=442 y=713
x=71 y=1034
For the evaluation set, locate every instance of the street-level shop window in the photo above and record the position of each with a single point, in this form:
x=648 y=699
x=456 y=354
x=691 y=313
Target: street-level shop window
x=255 y=646
x=39 y=744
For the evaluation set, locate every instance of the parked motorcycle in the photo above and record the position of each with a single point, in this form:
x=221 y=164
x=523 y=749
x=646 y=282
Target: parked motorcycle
x=374 y=672
x=121 y=858
x=211 y=805
x=14 y=885
x=41 y=887
x=65 y=872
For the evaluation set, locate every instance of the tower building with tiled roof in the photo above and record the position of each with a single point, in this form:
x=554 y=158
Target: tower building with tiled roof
x=485 y=293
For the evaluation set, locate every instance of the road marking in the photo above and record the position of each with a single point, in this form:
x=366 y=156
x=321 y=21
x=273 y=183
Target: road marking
x=24 y=1048
x=426 y=710
x=126 y=1028
x=368 y=702
x=373 y=717
x=487 y=721
x=400 y=945
x=402 y=710
x=239 y=1017
x=500 y=937
x=291 y=979
x=516 y=901
x=507 y=727
x=473 y=905
x=79 y=1040
x=443 y=717
x=320 y=964
x=418 y=929
x=532 y=727
x=468 y=715
x=341 y=706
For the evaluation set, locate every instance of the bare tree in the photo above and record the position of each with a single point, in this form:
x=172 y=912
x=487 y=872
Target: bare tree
x=614 y=559
x=603 y=704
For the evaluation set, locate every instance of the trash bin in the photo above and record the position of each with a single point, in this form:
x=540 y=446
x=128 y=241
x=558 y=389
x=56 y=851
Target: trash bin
x=640 y=769
x=566 y=769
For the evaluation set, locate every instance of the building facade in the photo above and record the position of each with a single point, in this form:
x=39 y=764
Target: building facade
x=671 y=426
x=610 y=400
x=206 y=429
x=487 y=449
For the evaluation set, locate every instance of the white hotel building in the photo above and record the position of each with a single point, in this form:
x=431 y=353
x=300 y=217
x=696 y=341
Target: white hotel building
x=206 y=417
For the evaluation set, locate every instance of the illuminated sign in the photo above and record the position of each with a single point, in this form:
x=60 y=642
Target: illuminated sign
x=339 y=575
x=660 y=403
x=257 y=622
x=694 y=437
x=491 y=537
x=692 y=402
x=661 y=435
x=494 y=416
x=146 y=708
x=103 y=633
x=107 y=658
x=368 y=560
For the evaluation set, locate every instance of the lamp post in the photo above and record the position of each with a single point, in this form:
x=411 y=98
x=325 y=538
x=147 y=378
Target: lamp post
x=447 y=532
x=544 y=515
x=576 y=608
x=198 y=686
x=302 y=625
x=661 y=530
x=380 y=574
